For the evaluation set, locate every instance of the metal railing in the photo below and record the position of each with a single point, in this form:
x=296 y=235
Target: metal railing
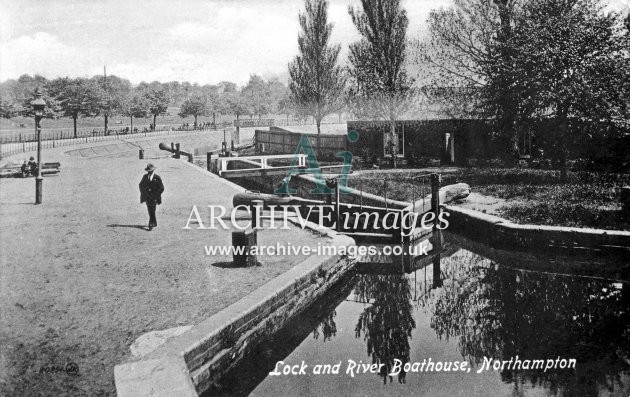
x=8 y=149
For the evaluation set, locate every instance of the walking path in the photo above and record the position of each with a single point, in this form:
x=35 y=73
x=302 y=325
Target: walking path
x=81 y=278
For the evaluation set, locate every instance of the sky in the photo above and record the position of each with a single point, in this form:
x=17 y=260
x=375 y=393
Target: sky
x=184 y=40
x=202 y=41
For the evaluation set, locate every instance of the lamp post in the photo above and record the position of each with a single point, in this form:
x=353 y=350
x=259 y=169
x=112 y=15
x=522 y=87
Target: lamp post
x=38 y=106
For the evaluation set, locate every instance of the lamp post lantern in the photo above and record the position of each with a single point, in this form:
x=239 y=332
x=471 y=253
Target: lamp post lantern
x=38 y=105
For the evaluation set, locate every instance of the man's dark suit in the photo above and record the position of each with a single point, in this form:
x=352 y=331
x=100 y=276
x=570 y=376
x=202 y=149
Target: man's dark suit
x=151 y=193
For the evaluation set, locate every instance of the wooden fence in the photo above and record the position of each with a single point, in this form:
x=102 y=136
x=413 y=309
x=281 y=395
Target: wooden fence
x=279 y=141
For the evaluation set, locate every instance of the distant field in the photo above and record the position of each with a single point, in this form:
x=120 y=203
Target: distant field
x=13 y=126
x=23 y=129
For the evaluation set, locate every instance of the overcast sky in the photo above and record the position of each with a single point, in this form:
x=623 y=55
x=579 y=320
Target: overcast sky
x=203 y=41
x=191 y=40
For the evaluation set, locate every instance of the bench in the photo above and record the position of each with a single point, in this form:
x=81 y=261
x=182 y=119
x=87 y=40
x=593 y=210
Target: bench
x=51 y=165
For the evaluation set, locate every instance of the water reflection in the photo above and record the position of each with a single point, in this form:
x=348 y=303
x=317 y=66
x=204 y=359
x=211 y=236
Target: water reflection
x=326 y=327
x=458 y=305
x=499 y=312
x=386 y=324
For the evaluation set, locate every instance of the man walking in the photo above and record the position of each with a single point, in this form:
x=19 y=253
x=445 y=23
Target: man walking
x=151 y=189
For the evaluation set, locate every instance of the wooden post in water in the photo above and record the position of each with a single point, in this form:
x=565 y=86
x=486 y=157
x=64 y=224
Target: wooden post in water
x=177 y=154
x=435 y=196
x=209 y=161
x=437 y=233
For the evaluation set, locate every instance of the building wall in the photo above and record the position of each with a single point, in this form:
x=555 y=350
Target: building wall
x=423 y=138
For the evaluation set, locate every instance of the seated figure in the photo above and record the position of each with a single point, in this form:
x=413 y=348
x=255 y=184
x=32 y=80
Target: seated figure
x=25 y=169
x=32 y=165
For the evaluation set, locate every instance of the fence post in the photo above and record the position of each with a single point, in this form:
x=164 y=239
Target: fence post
x=177 y=154
x=404 y=228
x=437 y=233
x=435 y=196
x=337 y=206
x=209 y=161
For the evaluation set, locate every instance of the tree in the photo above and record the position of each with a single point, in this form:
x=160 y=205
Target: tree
x=227 y=86
x=135 y=105
x=257 y=94
x=277 y=93
x=458 y=59
x=378 y=62
x=7 y=108
x=52 y=110
x=236 y=103
x=157 y=99
x=570 y=61
x=214 y=101
x=112 y=93
x=76 y=97
x=317 y=83
x=196 y=105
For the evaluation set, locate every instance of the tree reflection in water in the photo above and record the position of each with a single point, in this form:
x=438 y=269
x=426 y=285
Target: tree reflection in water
x=327 y=327
x=500 y=312
x=387 y=323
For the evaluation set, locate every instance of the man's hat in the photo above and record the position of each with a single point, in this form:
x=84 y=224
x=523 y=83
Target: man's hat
x=150 y=167
x=32 y=158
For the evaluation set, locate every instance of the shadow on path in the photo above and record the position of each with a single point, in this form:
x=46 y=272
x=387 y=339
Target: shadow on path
x=131 y=226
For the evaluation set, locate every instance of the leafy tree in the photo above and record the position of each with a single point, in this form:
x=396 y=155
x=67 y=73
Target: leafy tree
x=317 y=83
x=286 y=106
x=214 y=102
x=227 y=86
x=112 y=93
x=569 y=62
x=157 y=99
x=7 y=108
x=237 y=103
x=53 y=108
x=76 y=97
x=15 y=93
x=257 y=95
x=196 y=105
x=135 y=105
x=378 y=61
x=455 y=61
x=277 y=93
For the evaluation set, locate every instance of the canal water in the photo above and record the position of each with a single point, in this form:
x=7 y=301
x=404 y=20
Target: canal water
x=469 y=311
